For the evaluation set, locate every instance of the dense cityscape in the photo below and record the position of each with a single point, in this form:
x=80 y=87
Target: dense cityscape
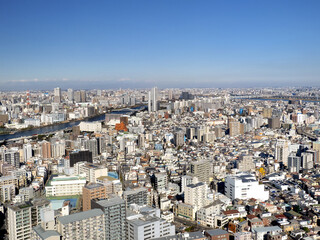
x=159 y=120
x=169 y=164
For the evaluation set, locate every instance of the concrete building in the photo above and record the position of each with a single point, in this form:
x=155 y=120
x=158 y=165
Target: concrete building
x=160 y=181
x=57 y=95
x=262 y=232
x=92 y=191
x=235 y=127
x=307 y=160
x=115 y=217
x=244 y=186
x=19 y=221
x=274 y=122
x=147 y=224
x=90 y=126
x=282 y=151
x=186 y=211
x=12 y=157
x=294 y=163
x=136 y=196
x=80 y=156
x=245 y=164
x=38 y=233
x=27 y=152
x=83 y=225
x=46 y=149
x=187 y=180
x=65 y=185
x=242 y=236
x=196 y=194
x=153 y=100
x=70 y=95
x=91 y=171
x=217 y=234
x=23 y=216
x=201 y=170
x=179 y=138
x=7 y=192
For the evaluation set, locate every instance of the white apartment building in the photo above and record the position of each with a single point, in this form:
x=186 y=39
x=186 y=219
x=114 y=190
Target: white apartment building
x=244 y=186
x=65 y=185
x=196 y=194
x=187 y=180
x=19 y=222
x=22 y=216
x=90 y=126
x=92 y=172
x=145 y=223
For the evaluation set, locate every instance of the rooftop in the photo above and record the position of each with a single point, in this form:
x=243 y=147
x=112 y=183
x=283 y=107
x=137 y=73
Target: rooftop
x=80 y=216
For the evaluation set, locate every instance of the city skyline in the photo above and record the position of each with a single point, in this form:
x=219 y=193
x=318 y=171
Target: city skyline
x=168 y=44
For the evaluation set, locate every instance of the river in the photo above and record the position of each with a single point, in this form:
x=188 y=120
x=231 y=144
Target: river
x=62 y=126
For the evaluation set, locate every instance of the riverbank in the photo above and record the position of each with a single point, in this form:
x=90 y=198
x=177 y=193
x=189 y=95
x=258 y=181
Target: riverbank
x=13 y=131
x=61 y=126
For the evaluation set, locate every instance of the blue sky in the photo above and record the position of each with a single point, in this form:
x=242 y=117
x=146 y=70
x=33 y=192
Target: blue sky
x=111 y=44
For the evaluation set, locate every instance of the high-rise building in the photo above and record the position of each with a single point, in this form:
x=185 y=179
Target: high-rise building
x=201 y=170
x=235 y=127
x=115 y=217
x=83 y=225
x=23 y=216
x=307 y=160
x=153 y=100
x=191 y=132
x=19 y=221
x=196 y=194
x=70 y=94
x=294 y=163
x=179 y=138
x=186 y=96
x=27 y=151
x=316 y=147
x=267 y=112
x=170 y=95
x=12 y=157
x=80 y=156
x=93 y=191
x=274 y=123
x=46 y=149
x=137 y=196
x=7 y=192
x=77 y=96
x=57 y=95
x=83 y=95
x=282 y=151
x=187 y=180
x=160 y=181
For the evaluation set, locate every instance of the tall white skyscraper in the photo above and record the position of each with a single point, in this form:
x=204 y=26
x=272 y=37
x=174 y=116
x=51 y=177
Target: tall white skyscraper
x=153 y=100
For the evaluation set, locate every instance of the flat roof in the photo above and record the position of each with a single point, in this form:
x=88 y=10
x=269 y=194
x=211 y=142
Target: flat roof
x=45 y=234
x=80 y=216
